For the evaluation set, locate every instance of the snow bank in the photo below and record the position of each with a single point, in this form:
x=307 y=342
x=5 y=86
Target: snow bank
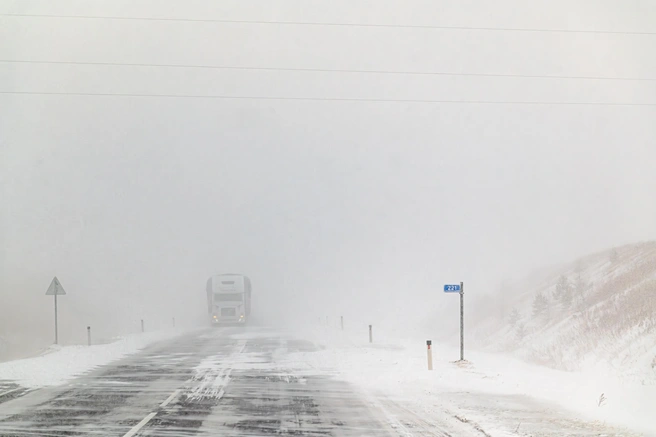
x=609 y=325
x=399 y=368
x=60 y=364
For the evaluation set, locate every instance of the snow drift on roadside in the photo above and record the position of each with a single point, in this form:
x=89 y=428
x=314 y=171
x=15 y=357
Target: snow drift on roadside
x=60 y=364
x=398 y=368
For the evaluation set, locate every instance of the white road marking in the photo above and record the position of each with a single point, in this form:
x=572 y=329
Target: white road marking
x=170 y=398
x=149 y=417
x=140 y=425
x=9 y=391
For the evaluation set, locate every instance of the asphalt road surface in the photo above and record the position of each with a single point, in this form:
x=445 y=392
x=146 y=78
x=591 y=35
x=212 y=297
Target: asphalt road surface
x=222 y=381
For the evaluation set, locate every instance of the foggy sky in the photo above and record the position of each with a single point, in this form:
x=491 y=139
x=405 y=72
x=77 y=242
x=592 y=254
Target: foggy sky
x=356 y=208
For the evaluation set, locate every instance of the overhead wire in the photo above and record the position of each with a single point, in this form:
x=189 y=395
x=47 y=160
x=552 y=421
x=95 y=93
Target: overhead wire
x=327 y=70
x=328 y=99
x=337 y=24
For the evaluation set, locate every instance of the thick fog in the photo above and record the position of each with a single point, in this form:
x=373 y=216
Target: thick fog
x=332 y=207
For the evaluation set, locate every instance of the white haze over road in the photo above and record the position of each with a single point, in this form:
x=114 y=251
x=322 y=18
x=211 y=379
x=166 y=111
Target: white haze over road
x=331 y=207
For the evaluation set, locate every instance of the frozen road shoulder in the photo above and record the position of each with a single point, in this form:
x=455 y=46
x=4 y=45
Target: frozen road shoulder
x=493 y=393
x=63 y=363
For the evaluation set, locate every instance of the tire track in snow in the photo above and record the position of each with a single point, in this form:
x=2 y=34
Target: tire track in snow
x=183 y=412
x=211 y=376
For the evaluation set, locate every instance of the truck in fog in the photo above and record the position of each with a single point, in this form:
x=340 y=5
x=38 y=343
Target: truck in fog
x=228 y=299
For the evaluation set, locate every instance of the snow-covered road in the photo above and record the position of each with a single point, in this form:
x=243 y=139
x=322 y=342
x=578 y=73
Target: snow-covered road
x=248 y=382
x=227 y=381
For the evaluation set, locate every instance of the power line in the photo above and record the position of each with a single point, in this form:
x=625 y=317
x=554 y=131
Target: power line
x=332 y=24
x=328 y=70
x=326 y=99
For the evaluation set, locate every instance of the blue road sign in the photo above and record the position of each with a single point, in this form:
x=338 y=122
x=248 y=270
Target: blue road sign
x=452 y=288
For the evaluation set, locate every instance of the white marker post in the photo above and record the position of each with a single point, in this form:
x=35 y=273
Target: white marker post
x=55 y=289
x=89 y=335
x=371 y=335
x=430 y=354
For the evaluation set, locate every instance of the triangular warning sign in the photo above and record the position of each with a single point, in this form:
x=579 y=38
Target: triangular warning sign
x=55 y=288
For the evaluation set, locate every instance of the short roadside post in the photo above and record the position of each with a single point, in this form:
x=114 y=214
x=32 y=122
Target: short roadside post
x=341 y=321
x=430 y=355
x=371 y=336
x=142 y=326
x=459 y=288
x=55 y=289
x=89 y=335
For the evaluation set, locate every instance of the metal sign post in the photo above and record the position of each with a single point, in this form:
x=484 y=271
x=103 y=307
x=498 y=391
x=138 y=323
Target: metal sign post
x=462 y=322
x=459 y=288
x=55 y=289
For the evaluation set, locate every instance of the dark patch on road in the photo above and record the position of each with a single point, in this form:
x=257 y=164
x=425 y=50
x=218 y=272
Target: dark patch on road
x=9 y=391
x=187 y=414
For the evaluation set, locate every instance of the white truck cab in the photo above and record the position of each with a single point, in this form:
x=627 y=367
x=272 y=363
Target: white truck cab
x=228 y=298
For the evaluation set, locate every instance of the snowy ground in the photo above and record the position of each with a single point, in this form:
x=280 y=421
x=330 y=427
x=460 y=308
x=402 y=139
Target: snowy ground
x=254 y=381
x=491 y=390
x=59 y=364
x=608 y=327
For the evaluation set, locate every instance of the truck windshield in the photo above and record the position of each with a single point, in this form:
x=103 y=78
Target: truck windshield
x=228 y=297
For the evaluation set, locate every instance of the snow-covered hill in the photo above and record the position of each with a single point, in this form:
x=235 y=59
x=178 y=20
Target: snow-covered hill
x=596 y=313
